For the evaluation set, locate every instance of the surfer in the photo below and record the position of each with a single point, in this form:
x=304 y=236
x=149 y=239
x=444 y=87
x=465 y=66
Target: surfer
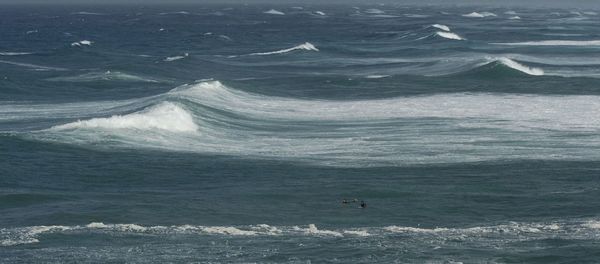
x=344 y=201
x=363 y=204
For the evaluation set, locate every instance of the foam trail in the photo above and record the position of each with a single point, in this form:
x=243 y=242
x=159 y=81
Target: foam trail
x=442 y=27
x=306 y=46
x=165 y=116
x=274 y=12
x=554 y=43
x=449 y=35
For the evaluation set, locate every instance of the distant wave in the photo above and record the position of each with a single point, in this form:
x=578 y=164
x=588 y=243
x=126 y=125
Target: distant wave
x=103 y=76
x=306 y=46
x=576 y=229
x=514 y=18
x=554 y=43
x=479 y=15
x=175 y=13
x=14 y=53
x=374 y=11
x=449 y=35
x=33 y=66
x=174 y=58
x=321 y=13
x=87 y=13
x=274 y=12
x=82 y=43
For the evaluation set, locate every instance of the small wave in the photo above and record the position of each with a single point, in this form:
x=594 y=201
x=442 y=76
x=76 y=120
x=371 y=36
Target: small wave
x=306 y=46
x=103 y=76
x=15 y=53
x=274 y=12
x=82 y=43
x=510 y=12
x=479 y=15
x=31 y=31
x=554 y=43
x=514 y=18
x=321 y=13
x=520 y=67
x=449 y=35
x=164 y=116
x=174 y=58
x=442 y=27
x=376 y=76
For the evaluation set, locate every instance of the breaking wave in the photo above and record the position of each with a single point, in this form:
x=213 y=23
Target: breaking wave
x=211 y=118
x=274 y=12
x=442 y=27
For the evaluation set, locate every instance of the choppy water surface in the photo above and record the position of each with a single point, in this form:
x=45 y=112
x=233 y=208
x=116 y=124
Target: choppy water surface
x=232 y=133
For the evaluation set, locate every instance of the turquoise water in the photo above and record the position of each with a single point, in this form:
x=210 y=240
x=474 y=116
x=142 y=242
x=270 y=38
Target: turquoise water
x=233 y=133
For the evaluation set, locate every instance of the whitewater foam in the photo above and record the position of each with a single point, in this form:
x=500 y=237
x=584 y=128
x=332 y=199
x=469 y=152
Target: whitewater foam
x=14 y=53
x=321 y=13
x=164 y=116
x=449 y=35
x=306 y=46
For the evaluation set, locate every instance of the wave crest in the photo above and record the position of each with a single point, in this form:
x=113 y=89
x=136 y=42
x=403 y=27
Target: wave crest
x=306 y=46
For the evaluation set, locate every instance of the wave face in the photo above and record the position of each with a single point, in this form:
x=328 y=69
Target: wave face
x=306 y=46
x=210 y=117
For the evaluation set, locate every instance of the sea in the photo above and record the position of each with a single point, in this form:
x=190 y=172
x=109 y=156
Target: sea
x=214 y=133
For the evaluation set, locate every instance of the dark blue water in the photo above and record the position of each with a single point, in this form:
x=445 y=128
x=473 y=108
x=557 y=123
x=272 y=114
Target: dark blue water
x=233 y=133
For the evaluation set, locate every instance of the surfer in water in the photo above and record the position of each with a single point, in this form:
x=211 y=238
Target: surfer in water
x=363 y=204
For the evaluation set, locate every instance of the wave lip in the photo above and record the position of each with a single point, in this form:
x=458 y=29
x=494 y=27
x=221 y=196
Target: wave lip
x=554 y=43
x=306 y=46
x=520 y=67
x=165 y=116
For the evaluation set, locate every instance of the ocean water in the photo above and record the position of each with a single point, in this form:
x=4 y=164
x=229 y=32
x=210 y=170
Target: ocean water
x=231 y=134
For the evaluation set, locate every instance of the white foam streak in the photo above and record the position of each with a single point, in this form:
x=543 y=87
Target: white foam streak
x=449 y=35
x=82 y=43
x=442 y=27
x=14 y=53
x=174 y=58
x=306 y=46
x=479 y=15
